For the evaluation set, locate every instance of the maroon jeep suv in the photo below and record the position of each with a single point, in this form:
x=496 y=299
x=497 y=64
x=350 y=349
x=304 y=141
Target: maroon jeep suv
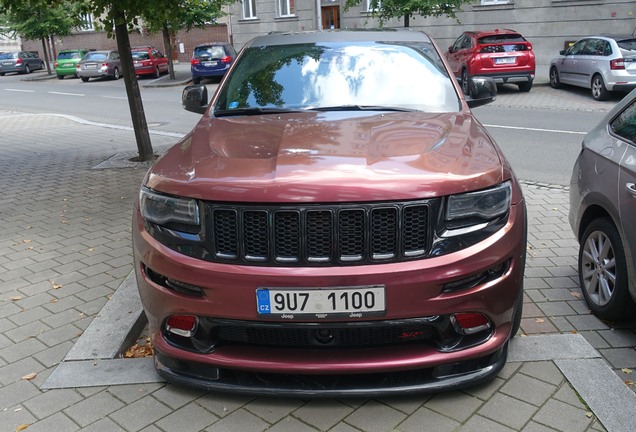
x=332 y=226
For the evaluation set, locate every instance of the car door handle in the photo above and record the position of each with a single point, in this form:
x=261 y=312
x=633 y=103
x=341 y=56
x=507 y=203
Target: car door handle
x=631 y=188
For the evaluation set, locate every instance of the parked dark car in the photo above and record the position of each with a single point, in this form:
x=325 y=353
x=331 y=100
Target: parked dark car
x=332 y=226
x=601 y=63
x=23 y=62
x=149 y=61
x=211 y=60
x=99 y=64
x=66 y=61
x=503 y=55
x=603 y=213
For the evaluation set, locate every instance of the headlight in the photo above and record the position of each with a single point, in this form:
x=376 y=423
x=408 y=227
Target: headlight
x=475 y=209
x=166 y=210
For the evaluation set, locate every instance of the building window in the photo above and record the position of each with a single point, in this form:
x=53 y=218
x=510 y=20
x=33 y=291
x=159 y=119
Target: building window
x=249 y=9
x=286 y=8
x=87 y=22
x=373 y=5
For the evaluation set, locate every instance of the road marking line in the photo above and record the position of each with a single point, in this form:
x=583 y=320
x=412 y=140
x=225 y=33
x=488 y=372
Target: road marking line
x=536 y=129
x=115 y=97
x=22 y=91
x=66 y=94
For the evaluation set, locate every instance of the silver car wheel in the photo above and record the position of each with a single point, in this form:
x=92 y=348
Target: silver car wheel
x=598 y=268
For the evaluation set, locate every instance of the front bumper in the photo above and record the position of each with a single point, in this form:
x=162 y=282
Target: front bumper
x=435 y=379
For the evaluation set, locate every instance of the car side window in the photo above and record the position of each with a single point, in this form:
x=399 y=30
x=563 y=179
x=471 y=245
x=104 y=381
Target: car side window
x=594 y=47
x=577 y=48
x=467 y=42
x=624 y=125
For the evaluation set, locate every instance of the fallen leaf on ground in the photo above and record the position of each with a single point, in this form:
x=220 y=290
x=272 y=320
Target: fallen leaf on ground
x=575 y=294
x=626 y=370
x=21 y=427
x=16 y=298
x=27 y=241
x=139 y=351
x=540 y=320
x=30 y=376
x=589 y=414
x=55 y=285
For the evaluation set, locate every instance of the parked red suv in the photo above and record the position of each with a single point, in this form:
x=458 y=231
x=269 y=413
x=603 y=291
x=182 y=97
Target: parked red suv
x=331 y=226
x=503 y=55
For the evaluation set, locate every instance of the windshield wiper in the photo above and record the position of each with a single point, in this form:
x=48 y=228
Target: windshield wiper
x=254 y=111
x=363 y=108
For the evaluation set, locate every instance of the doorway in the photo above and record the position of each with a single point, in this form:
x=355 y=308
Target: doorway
x=330 y=17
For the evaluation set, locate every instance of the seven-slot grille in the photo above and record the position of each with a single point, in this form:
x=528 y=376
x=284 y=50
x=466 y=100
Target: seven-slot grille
x=320 y=234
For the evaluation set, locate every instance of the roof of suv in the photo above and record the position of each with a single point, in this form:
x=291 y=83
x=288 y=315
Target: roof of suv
x=287 y=38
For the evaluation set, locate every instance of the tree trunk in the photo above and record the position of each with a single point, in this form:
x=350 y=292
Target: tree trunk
x=406 y=20
x=46 y=55
x=168 y=48
x=135 y=103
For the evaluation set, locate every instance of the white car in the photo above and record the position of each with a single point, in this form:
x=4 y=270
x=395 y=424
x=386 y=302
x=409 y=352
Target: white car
x=600 y=63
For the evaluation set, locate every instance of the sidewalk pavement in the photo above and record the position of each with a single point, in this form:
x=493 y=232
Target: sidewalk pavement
x=65 y=265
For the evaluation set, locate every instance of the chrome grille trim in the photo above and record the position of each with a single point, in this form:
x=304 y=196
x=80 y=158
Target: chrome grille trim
x=315 y=235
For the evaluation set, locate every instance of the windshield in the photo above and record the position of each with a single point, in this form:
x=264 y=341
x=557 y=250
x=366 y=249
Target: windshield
x=66 y=55
x=336 y=74
x=627 y=44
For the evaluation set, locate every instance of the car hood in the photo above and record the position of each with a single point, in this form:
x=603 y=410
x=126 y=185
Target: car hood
x=330 y=157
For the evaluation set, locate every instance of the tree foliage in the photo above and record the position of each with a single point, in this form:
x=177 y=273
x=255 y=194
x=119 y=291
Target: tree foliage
x=39 y=18
x=384 y=10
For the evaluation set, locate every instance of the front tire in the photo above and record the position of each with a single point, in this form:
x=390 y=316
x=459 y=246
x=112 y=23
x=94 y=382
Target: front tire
x=599 y=92
x=465 y=83
x=603 y=272
x=157 y=73
x=116 y=74
x=555 y=82
x=27 y=70
x=60 y=77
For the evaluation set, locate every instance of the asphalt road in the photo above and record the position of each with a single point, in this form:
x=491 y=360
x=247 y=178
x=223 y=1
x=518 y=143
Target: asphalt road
x=540 y=132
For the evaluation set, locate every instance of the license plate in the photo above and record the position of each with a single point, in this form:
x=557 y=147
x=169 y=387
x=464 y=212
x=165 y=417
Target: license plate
x=7 y=63
x=208 y=63
x=351 y=302
x=505 y=60
x=90 y=66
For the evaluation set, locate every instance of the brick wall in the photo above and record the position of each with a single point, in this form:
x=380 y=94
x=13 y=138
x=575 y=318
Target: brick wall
x=99 y=40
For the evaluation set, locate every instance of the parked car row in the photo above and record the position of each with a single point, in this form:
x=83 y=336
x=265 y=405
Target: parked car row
x=86 y=64
x=604 y=64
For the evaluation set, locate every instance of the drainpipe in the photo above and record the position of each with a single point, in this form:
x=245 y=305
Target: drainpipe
x=318 y=15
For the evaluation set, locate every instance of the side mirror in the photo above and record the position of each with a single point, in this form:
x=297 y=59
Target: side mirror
x=195 y=98
x=482 y=91
x=450 y=49
x=562 y=52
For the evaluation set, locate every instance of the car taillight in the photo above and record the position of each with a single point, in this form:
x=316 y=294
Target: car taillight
x=194 y=62
x=78 y=66
x=19 y=61
x=617 y=64
x=226 y=60
x=105 y=64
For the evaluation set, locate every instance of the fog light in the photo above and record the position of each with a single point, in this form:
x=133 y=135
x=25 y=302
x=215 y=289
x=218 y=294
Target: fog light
x=470 y=323
x=182 y=325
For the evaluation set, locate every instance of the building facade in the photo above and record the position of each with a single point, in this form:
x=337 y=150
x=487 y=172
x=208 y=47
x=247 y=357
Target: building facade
x=548 y=24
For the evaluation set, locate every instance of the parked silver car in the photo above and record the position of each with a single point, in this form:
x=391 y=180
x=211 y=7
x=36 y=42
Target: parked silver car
x=98 y=64
x=603 y=213
x=20 y=61
x=601 y=63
